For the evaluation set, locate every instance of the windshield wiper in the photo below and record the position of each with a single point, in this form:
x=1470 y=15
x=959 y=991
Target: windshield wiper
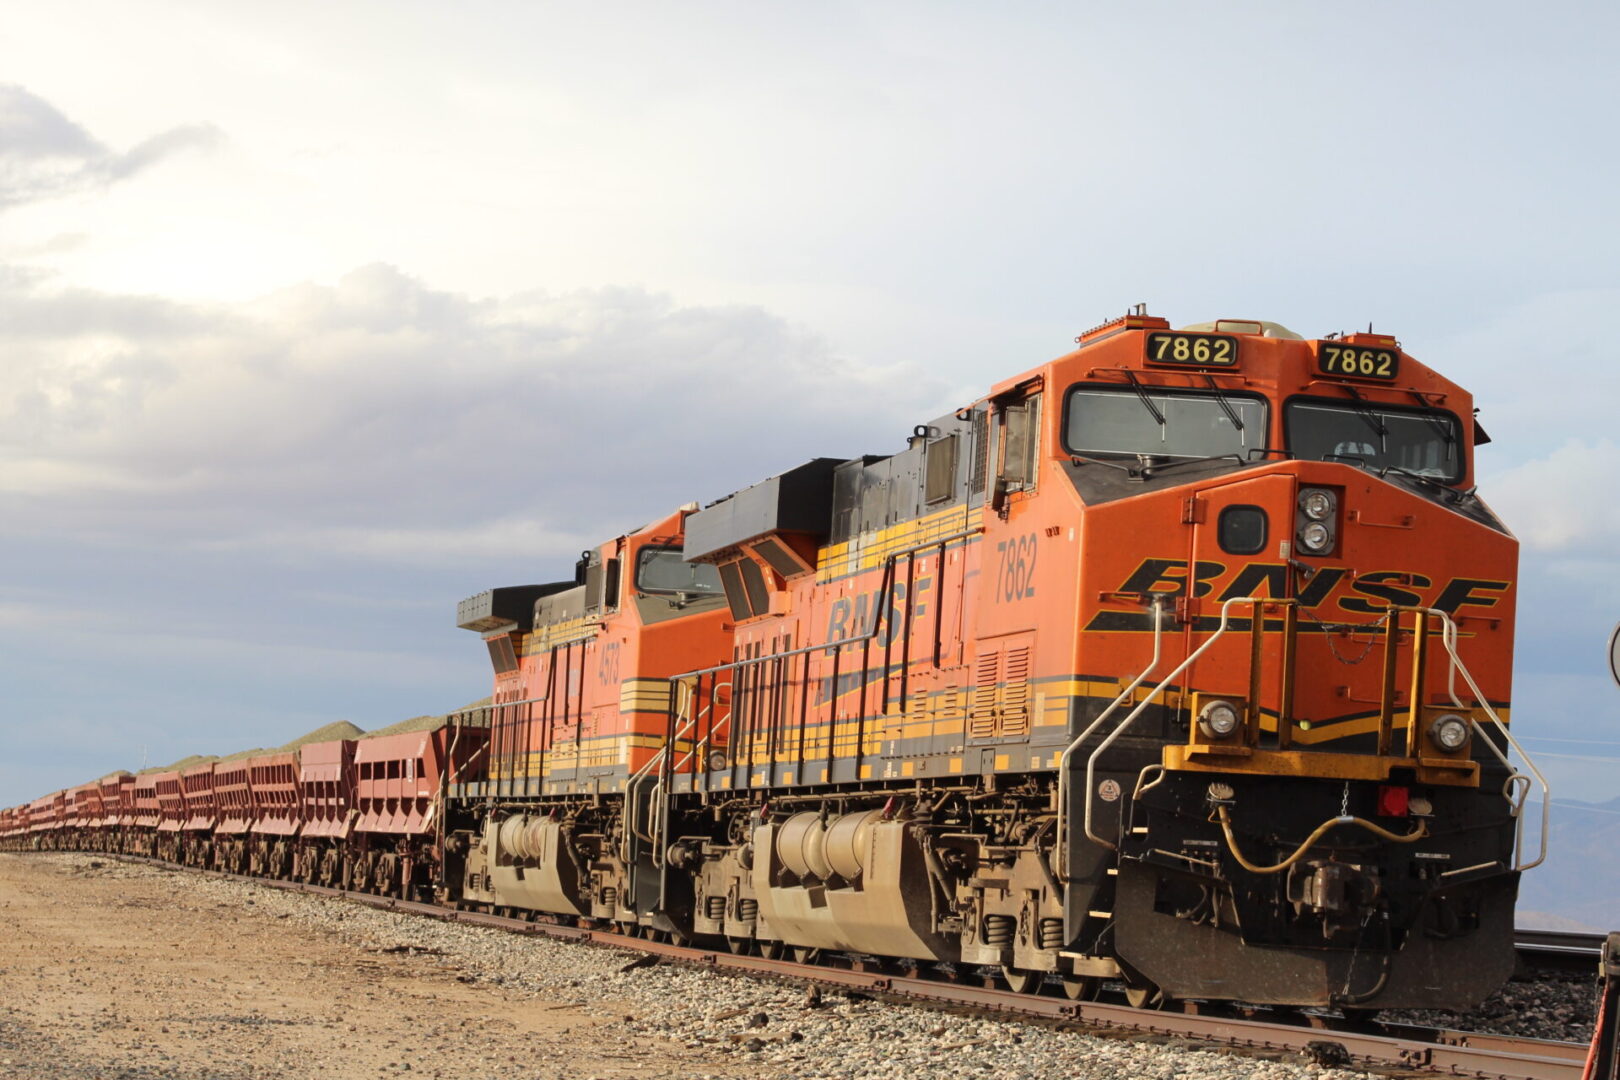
x=1231 y=414
x=1081 y=459
x=1365 y=410
x=1141 y=392
x=1149 y=470
x=1423 y=478
x=1436 y=422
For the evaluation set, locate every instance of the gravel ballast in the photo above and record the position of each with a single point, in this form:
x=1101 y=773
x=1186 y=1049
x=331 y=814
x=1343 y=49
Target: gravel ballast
x=737 y=1025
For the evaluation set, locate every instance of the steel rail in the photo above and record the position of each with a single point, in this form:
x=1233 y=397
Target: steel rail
x=1370 y=1045
x=1559 y=941
x=1560 y=950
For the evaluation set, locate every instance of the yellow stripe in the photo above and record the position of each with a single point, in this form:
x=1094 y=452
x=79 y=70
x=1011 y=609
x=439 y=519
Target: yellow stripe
x=544 y=638
x=872 y=549
x=644 y=695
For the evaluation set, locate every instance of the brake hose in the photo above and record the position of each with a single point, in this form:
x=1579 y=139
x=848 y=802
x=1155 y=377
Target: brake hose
x=1419 y=833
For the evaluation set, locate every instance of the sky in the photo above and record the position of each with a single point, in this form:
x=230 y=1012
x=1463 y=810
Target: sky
x=317 y=318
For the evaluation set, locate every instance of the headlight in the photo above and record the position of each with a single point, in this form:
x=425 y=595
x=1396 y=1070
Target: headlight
x=1449 y=732
x=1317 y=504
x=1218 y=719
x=1315 y=537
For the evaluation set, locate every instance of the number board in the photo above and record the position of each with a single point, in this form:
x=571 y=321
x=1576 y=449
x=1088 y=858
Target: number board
x=1357 y=362
x=1194 y=350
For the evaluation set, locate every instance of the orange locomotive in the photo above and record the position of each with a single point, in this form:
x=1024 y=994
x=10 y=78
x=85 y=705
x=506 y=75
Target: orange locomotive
x=1180 y=661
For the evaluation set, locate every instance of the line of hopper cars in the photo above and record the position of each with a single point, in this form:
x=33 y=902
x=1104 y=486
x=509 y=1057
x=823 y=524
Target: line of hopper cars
x=1182 y=660
x=338 y=807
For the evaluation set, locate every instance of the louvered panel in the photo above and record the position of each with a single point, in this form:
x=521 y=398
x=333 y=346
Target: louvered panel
x=1015 y=692
x=917 y=707
x=982 y=713
x=948 y=711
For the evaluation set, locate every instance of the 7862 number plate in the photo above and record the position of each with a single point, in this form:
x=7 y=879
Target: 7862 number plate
x=1193 y=350
x=1357 y=362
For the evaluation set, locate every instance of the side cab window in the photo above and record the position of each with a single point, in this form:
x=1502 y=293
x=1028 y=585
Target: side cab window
x=1017 y=437
x=601 y=580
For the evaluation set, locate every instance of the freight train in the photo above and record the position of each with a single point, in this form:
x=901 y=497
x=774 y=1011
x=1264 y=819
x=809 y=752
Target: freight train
x=1180 y=663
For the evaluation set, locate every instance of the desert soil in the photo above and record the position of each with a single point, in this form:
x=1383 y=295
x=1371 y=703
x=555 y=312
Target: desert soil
x=110 y=971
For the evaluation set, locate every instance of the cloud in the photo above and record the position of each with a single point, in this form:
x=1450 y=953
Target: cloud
x=379 y=417
x=491 y=538
x=1538 y=369
x=45 y=155
x=1559 y=503
x=248 y=519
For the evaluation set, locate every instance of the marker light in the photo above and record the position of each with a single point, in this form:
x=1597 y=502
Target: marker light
x=1218 y=719
x=1317 y=504
x=1449 y=732
x=1315 y=537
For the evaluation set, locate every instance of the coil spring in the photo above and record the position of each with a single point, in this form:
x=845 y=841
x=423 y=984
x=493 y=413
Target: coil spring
x=610 y=897
x=1050 y=934
x=747 y=910
x=998 y=929
x=715 y=907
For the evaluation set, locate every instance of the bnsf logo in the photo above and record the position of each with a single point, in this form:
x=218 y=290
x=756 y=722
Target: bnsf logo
x=1364 y=593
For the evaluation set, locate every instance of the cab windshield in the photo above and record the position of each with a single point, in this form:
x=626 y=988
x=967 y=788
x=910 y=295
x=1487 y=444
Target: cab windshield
x=1422 y=442
x=1162 y=423
x=663 y=570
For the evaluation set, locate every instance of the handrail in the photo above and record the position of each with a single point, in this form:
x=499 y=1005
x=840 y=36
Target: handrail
x=1516 y=789
x=880 y=614
x=1448 y=638
x=1119 y=729
x=882 y=622
x=1063 y=762
x=631 y=823
x=701 y=743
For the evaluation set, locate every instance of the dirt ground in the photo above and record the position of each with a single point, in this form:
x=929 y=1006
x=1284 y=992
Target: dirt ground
x=122 y=976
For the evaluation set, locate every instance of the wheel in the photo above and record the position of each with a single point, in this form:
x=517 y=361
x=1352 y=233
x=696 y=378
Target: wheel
x=804 y=954
x=1144 y=997
x=1081 y=987
x=740 y=946
x=772 y=950
x=1020 y=981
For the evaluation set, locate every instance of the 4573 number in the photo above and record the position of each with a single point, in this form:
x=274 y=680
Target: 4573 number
x=1015 y=578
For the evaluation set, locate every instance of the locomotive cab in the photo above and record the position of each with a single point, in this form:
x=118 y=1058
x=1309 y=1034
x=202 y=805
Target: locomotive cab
x=1312 y=768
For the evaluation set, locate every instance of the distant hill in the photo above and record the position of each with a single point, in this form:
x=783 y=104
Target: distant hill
x=1540 y=920
x=1580 y=881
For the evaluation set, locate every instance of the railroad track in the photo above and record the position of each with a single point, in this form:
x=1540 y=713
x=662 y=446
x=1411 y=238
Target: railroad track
x=1560 y=950
x=1326 y=1039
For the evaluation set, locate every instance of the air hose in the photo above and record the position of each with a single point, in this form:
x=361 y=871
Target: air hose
x=1225 y=819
